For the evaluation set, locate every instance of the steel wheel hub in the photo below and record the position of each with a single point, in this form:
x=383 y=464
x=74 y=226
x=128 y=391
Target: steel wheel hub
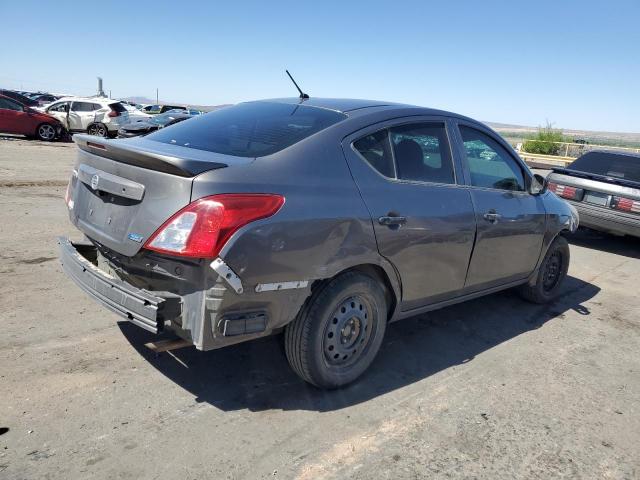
x=347 y=332
x=552 y=271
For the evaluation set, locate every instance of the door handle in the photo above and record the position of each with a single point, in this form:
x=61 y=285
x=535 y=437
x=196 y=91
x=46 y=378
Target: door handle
x=392 y=221
x=492 y=216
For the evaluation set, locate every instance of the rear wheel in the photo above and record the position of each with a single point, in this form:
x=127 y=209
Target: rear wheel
x=98 y=129
x=338 y=333
x=551 y=274
x=46 y=132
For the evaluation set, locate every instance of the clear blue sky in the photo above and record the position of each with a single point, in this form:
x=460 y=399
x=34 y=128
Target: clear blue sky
x=575 y=63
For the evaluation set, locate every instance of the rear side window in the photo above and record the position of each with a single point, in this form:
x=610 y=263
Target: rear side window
x=490 y=165
x=376 y=150
x=82 y=107
x=422 y=153
x=418 y=152
x=252 y=129
x=609 y=165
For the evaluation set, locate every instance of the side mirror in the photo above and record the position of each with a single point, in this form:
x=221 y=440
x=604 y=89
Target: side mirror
x=538 y=184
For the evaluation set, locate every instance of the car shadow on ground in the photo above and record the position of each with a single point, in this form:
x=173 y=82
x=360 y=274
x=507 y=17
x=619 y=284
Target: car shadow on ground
x=626 y=246
x=256 y=376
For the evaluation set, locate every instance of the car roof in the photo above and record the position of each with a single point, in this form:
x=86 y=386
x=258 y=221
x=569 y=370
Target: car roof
x=88 y=99
x=359 y=106
x=342 y=105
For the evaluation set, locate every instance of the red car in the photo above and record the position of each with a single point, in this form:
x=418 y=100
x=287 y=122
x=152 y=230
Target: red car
x=18 y=118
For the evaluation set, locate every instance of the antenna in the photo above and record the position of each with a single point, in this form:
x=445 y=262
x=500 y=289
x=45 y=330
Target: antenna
x=302 y=94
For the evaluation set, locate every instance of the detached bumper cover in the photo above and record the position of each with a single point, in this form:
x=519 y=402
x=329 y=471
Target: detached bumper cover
x=136 y=305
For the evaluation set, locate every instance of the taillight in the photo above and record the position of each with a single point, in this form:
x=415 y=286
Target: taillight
x=566 y=191
x=113 y=113
x=625 y=204
x=203 y=227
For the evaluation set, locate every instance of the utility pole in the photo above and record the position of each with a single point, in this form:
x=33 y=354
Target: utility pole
x=157 y=101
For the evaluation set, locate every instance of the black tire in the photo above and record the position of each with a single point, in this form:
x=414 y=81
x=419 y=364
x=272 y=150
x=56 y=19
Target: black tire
x=98 y=129
x=338 y=332
x=551 y=274
x=46 y=132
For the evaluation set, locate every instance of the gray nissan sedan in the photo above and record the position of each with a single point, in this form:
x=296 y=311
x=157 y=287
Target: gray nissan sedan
x=324 y=219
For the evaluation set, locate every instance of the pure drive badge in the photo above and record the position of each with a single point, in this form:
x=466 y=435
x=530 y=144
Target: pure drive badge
x=94 y=182
x=135 y=237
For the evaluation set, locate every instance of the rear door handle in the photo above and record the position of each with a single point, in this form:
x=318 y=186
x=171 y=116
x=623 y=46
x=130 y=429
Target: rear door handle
x=492 y=216
x=392 y=221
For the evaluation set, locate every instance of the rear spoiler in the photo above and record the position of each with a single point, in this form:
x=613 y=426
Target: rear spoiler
x=594 y=176
x=132 y=154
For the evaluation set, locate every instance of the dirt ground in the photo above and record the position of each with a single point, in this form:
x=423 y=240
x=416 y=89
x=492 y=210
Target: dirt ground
x=495 y=388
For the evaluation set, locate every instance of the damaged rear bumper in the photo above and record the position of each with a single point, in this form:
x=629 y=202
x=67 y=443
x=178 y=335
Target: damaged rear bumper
x=141 y=307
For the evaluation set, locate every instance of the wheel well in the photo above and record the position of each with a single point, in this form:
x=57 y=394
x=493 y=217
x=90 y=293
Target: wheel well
x=372 y=270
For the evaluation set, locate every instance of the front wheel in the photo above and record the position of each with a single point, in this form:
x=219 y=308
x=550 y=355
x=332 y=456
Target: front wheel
x=551 y=274
x=46 y=132
x=98 y=129
x=338 y=333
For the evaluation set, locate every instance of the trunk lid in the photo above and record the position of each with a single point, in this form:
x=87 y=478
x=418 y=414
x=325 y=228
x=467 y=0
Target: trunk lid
x=122 y=191
x=599 y=184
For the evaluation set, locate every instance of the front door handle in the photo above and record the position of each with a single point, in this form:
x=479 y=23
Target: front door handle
x=492 y=216
x=392 y=221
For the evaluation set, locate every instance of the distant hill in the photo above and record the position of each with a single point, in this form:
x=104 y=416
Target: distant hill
x=596 y=137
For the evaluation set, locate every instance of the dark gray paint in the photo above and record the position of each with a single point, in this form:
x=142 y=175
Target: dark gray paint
x=444 y=253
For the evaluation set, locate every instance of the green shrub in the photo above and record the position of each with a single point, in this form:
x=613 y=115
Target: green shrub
x=543 y=141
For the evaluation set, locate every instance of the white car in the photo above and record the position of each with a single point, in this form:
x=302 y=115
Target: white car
x=95 y=116
x=135 y=114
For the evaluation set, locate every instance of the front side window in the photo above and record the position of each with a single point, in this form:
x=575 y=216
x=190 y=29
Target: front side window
x=422 y=153
x=59 y=107
x=6 y=104
x=490 y=165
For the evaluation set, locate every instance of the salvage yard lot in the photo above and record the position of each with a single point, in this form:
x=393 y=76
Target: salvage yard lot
x=494 y=388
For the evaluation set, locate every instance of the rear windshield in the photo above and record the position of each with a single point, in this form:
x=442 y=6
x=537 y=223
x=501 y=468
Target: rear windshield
x=252 y=129
x=118 y=107
x=609 y=164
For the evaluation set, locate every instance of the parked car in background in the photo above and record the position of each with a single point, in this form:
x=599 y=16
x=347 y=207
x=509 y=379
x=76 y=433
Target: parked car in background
x=19 y=97
x=95 y=115
x=135 y=114
x=155 y=122
x=327 y=218
x=157 y=109
x=20 y=119
x=44 y=99
x=190 y=111
x=604 y=186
